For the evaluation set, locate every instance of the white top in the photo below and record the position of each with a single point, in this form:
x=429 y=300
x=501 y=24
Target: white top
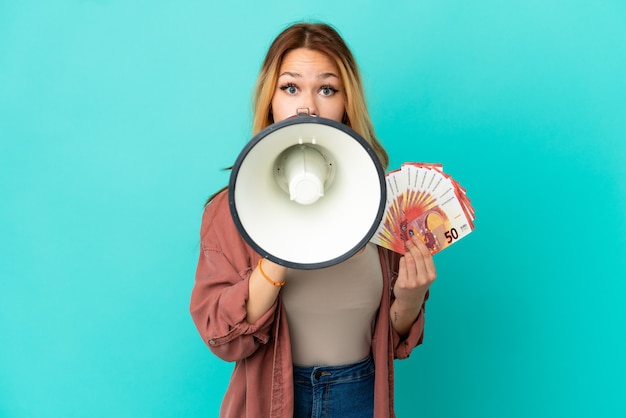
x=331 y=311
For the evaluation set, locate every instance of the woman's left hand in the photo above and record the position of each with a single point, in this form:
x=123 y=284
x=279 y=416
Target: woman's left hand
x=416 y=274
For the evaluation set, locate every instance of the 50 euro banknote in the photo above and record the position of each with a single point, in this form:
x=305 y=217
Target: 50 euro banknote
x=423 y=200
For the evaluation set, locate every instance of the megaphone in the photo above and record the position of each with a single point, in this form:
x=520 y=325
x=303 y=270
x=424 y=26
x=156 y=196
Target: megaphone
x=307 y=192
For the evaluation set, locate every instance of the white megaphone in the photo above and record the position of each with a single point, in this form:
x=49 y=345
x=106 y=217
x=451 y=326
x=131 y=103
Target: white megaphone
x=307 y=192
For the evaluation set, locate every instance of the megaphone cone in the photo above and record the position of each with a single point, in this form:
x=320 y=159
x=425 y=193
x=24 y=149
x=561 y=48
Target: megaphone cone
x=307 y=192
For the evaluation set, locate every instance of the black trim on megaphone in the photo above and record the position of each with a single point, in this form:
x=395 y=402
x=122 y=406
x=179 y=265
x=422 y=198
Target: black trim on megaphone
x=272 y=129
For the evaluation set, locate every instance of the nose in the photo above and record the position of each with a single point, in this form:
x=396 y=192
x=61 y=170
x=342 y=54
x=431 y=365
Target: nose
x=308 y=102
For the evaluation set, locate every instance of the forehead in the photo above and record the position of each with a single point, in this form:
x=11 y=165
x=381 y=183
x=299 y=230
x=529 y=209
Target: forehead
x=308 y=60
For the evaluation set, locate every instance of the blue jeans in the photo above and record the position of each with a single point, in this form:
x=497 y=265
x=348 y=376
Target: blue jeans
x=345 y=391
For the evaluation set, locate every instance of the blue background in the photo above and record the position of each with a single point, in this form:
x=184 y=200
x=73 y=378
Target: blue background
x=116 y=118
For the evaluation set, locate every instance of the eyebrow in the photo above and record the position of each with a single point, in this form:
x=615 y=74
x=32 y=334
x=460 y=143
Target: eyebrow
x=298 y=75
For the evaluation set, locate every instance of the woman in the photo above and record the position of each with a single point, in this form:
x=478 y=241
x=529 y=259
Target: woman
x=316 y=342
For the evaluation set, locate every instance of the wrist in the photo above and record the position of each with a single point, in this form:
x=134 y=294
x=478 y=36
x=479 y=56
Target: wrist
x=273 y=273
x=413 y=304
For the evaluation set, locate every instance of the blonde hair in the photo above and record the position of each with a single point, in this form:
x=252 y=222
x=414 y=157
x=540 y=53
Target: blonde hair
x=323 y=38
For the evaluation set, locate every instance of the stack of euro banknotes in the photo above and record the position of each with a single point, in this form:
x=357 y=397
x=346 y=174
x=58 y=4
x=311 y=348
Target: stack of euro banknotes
x=423 y=200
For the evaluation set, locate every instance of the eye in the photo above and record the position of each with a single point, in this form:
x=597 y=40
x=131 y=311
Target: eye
x=289 y=88
x=328 y=90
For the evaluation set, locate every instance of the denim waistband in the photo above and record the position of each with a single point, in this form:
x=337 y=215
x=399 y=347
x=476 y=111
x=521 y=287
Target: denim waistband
x=331 y=374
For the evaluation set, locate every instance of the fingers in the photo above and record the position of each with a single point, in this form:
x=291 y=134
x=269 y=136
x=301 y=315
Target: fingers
x=419 y=261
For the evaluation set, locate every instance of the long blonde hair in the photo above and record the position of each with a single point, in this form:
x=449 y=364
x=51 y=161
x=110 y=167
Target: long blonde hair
x=323 y=38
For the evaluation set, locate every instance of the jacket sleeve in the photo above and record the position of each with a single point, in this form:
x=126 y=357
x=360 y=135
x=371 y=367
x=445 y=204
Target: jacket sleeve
x=220 y=292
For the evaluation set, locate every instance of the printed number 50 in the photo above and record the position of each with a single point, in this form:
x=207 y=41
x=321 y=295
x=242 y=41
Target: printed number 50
x=451 y=235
